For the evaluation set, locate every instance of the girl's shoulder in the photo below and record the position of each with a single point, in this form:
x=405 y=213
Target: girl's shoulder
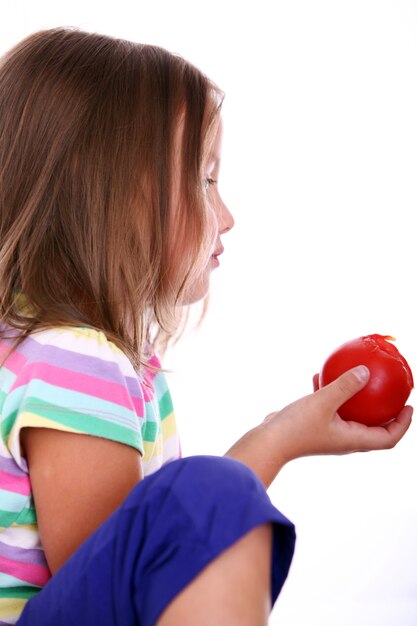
x=73 y=343
x=84 y=340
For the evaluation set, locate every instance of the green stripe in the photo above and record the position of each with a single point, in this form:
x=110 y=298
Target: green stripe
x=150 y=431
x=7 y=424
x=26 y=516
x=165 y=405
x=83 y=422
x=7 y=518
x=19 y=592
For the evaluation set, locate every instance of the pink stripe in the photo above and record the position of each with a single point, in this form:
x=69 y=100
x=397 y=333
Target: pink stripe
x=16 y=484
x=75 y=381
x=15 y=361
x=28 y=572
x=148 y=391
x=149 y=374
x=139 y=407
x=148 y=377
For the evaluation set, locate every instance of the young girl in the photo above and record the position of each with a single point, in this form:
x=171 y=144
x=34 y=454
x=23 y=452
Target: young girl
x=111 y=223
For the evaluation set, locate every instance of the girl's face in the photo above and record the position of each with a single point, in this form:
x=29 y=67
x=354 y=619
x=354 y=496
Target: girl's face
x=222 y=220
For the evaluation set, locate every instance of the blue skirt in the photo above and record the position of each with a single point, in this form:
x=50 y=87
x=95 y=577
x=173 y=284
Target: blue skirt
x=168 y=529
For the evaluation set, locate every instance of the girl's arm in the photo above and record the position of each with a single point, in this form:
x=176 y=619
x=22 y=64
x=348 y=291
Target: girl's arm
x=77 y=482
x=312 y=426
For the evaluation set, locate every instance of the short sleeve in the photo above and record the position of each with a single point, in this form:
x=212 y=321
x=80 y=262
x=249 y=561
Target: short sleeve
x=73 y=380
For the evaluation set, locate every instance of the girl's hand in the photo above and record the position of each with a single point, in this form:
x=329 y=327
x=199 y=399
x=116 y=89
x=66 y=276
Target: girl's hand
x=312 y=425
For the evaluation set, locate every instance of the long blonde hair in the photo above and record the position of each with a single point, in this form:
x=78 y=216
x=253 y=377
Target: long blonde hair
x=88 y=127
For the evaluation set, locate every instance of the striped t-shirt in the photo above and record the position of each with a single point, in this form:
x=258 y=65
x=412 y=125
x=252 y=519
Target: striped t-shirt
x=75 y=380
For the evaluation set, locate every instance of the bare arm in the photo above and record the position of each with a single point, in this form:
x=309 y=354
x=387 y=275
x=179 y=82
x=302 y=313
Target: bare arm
x=311 y=426
x=77 y=482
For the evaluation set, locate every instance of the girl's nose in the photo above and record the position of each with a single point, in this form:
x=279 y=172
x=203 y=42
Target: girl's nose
x=225 y=218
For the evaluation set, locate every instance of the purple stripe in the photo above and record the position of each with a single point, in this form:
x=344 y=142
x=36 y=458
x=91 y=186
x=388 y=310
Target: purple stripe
x=133 y=386
x=23 y=555
x=10 y=467
x=5 y=623
x=85 y=364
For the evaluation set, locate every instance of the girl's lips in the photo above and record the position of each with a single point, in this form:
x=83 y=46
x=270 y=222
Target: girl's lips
x=218 y=252
x=215 y=255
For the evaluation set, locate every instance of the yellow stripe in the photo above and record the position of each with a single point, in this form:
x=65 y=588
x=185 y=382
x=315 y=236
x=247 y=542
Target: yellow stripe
x=32 y=419
x=11 y=606
x=90 y=334
x=80 y=331
x=152 y=449
x=169 y=426
x=29 y=527
x=155 y=448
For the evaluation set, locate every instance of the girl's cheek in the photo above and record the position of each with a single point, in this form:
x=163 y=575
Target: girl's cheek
x=214 y=225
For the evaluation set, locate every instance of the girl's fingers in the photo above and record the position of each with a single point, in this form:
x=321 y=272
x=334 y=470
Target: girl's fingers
x=380 y=437
x=400 y=425
x=343 y=388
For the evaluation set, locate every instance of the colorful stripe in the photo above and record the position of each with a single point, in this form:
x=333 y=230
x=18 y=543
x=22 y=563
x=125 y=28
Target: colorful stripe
x=15 y=361
x=29 y=572
x=40 y=393
x=9 y=608
x=9 y=466
x=8 y=582
x=165 y=405
x=17 y=592
x=73 y=380
x=23 y=555
x=68 y=379
x=12 y=502
x=76 y=422
x=16 y=484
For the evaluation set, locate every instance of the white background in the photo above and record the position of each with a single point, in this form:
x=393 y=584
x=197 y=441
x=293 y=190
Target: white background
x=320 y=171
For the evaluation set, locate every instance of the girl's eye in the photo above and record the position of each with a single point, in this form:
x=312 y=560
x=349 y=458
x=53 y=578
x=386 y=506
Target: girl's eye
x=208 y=182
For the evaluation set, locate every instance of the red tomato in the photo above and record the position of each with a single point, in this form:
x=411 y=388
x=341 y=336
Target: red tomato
x=388 y=388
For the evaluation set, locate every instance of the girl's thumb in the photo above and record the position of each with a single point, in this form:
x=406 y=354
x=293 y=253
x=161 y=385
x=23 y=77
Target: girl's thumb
x=349 y=383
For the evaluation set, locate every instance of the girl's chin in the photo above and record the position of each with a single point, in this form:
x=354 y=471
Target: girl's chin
x=196 y=292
